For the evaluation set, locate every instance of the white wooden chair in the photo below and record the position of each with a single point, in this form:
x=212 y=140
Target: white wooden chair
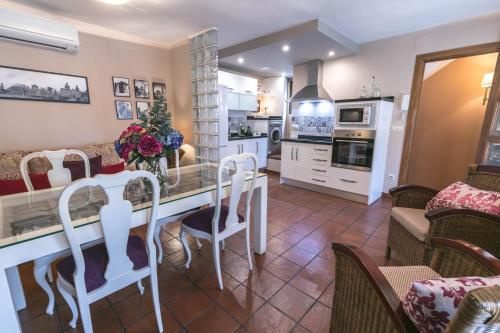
x=120 y=261
x=218 y=222
x=59 y=176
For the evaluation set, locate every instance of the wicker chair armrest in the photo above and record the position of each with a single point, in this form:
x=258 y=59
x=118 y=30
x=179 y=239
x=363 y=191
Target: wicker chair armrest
x=450 y=213
x=478 y=311
x=411 y=196
x=384 y=293
x=453 y=257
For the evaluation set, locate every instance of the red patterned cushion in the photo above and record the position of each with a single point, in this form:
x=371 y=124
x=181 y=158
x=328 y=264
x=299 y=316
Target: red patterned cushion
x=461 y=195
x=12 y=186
x=430 y=304
x=77 y=168
x=40 y=181
x=113 y=168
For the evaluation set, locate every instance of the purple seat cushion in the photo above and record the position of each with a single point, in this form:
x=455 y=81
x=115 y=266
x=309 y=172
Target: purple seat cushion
x=96 y=259
x=202 y=219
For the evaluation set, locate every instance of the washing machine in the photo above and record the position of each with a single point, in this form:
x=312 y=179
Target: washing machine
x=274 y=135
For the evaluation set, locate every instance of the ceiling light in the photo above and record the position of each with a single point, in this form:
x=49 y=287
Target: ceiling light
x=265 y=68
x=283 y=74
x=285 y=48
x=331 y=53
x=116 y=2
x=241 y=60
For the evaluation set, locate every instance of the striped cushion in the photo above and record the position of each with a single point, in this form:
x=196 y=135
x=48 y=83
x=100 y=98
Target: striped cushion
x=412 y=220
x=401 y=277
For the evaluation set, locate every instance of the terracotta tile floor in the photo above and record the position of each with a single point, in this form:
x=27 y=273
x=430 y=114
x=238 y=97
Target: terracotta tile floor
x=289 y=290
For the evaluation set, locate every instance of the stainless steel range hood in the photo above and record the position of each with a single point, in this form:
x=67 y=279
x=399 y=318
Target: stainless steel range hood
x=314 y=90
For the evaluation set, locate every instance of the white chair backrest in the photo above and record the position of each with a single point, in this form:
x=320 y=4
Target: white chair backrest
x=237 y=182
x=59 y=175
x=115 y=217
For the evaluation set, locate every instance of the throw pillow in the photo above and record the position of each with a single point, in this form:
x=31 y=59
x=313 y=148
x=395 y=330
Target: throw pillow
x=113 y=168
x=430 y=304
x=77 y=168
x=12 y=186
x=461 y=195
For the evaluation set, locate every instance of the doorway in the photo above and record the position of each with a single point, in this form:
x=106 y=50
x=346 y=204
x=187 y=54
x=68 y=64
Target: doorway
x=448 y=114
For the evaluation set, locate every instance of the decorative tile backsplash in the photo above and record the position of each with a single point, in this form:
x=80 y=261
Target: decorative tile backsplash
x=313 y=124
x=235 y=122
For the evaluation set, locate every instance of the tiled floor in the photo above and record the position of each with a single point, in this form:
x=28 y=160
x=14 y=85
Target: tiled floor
x=290 y=289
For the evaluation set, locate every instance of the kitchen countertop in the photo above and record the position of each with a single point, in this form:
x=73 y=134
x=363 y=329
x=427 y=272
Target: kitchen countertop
x=309 y=141
x=231 y=138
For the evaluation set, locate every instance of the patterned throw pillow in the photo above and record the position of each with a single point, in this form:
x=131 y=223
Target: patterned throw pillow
x=430 y=304
x=461 y=195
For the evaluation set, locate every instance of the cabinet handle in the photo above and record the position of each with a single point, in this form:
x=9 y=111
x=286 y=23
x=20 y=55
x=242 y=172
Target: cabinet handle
x=297 y=153
x=351 y=141
x=239 y=149
x=242 y=150
x=291 y=155
x=318 y=149
x=257 y=144
x=319 y=180
x=248 y=91
x=319 y=160
x=348 y=180
x=318 y=170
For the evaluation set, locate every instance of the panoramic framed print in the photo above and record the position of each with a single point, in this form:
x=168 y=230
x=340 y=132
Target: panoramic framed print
x=141 y=107
x=123 y=110
x=159 y=90
x=34 y=85
x=121 y=86
x=141 y=88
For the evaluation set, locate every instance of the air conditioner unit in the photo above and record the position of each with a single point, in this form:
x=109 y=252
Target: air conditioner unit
x=37 y=31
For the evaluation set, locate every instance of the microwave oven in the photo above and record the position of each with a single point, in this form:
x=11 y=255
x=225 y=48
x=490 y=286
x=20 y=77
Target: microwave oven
x=354 y=114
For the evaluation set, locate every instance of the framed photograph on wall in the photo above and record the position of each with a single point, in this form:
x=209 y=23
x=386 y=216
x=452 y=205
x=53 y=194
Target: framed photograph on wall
x=123 y=110
x=121 y=86
x=141 y=107
x=141 y=89
x=159 y=91
x=34 y=85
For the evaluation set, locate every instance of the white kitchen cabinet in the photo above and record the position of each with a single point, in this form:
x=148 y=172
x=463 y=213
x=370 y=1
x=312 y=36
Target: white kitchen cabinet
x=238 y=83
x=233 y=101
x=248 y=102
x=254 y=145
x=287 y=162
x=350 y=180
x=294 y=160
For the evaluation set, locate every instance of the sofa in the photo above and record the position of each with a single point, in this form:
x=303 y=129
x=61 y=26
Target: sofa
x=411 y=226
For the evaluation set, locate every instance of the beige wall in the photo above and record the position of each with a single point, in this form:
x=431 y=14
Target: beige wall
x=449 y=121
x=391 y=61
x=41 y=125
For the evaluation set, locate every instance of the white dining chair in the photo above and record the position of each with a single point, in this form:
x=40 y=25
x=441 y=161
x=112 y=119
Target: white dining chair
x=98 y=271
x=218 y=222
x=59 y=176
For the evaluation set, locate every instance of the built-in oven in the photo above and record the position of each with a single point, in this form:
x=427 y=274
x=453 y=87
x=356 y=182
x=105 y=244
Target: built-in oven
x=354 y=114
x=353 y=149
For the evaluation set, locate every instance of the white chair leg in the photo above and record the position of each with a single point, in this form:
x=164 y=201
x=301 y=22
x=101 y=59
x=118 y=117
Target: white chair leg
x=198 y=243
x=49 y=273
x=140 y=287
x=158 y=243
x=249 y=252
x=215 y=246
x=40 y=271
x=223 y=244
x=156 y=300
x=187 y=250
x=71 y=303
x=86 y=318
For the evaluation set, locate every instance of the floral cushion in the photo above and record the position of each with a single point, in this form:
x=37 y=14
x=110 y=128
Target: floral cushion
x=461 y=195
x=9 y=164
x=431 y=304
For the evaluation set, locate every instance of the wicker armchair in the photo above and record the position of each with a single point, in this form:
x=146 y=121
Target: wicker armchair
x=367 y=298
x=411 y=227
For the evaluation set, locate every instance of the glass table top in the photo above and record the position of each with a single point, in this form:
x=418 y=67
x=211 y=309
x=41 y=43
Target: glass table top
x=31 y=215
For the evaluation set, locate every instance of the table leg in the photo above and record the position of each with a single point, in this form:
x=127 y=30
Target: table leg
x=260 y=219
x=16 y=287
x=8 y=314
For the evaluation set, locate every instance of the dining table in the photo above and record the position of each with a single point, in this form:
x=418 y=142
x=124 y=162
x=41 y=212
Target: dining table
x=30 y=227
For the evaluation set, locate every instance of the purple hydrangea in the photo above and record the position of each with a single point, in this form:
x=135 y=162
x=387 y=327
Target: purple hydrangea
x=174 y=140
x=118 y=147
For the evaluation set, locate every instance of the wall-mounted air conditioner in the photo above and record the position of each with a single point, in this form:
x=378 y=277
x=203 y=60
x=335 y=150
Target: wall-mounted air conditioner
x=37 y=31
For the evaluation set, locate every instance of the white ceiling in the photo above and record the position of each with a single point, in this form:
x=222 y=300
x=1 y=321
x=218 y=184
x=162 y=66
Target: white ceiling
x=167 y=22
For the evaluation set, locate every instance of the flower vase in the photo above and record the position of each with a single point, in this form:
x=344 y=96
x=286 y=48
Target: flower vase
x=156 y=169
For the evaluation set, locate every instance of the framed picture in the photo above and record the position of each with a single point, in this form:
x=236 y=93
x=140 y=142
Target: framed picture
x=121 y=86
x=123 y=110
x=33 y=85
x=141 y=89
x=159 y=91
x=141 y=107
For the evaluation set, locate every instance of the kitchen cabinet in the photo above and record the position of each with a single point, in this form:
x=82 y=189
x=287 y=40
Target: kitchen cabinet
x=241 y=102
x=295 y=160
x=233 y=101
x=238 y=83
x=257 y=146
x=350 y=180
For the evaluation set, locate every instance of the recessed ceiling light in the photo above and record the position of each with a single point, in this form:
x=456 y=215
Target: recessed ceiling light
x=283 y=74
x=285 y=48
x=116 y=2
x=331 y=53
x=241 y=60
x=265 y=68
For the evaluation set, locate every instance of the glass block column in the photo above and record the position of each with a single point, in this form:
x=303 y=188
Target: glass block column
x=204 y=68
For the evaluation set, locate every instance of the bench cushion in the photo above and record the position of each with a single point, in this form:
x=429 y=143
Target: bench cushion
x=401 y=277
x=413 y=220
